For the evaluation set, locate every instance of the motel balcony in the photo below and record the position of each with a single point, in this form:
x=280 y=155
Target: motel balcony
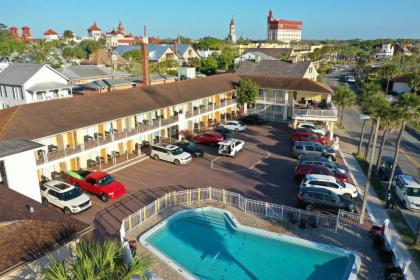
x=314 y=111
x=198 y=110
x=51 y=154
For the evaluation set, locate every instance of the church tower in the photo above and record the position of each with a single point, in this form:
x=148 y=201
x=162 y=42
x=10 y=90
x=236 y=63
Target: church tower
x=232 y=33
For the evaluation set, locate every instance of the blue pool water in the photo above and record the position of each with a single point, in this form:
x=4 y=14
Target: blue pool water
x=209 y=245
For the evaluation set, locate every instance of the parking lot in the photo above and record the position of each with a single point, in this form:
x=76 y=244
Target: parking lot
x=263 y=170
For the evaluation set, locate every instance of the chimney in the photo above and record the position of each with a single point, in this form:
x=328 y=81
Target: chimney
x=257 y=59
x=145 y=54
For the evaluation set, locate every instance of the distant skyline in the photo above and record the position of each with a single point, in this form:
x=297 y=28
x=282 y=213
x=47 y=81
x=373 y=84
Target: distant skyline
x=324 y=19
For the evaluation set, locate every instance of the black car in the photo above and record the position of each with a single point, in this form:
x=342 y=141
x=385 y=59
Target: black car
x=385 y=167
x=317 y=198
x=226 y=133
x=190 y=148
x=253 y=119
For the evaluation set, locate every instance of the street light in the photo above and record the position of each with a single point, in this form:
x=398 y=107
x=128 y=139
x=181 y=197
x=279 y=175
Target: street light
x=366 y=194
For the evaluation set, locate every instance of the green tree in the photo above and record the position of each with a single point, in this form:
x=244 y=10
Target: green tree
x=344 y=97
x=247 y=92
x=389 y=119
x=226 y=58
x=195 y=62
x=73 y=52
x=209 y=43
x=96 y=260
x=386 y=72
x=134 y=55
x=209 y=65
x=90 y=46
x=408 y=109
x=415 y=82
x=68 y=34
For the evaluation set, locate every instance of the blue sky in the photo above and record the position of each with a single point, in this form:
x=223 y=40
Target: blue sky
x=322 y=19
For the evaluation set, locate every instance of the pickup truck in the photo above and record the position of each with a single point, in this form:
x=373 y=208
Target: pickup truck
x=97 y=182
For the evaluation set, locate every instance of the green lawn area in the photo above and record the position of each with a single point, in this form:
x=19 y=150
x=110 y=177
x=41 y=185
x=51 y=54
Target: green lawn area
x=406 y=234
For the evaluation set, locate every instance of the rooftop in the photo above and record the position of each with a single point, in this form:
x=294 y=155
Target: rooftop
x=287 y=83
x=277 y=53
x=83 y=72
x=26 y=236
x=273 y=68
x=14 y=146
x=19 y=73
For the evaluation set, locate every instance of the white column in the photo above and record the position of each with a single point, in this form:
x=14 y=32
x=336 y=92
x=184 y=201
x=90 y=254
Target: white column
x=329 y=98
x=286 y=98
x=245 y=108
x=331 y=130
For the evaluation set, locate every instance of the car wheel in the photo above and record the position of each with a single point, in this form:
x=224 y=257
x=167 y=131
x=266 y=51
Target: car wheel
x=347 y=195
x=176 y=162
x=405 y=204
x=309 y=207
x=156 y=157
x=212 y=144
x=45 y=201
x=234 y=154
x=330 y=158
x=66 y=211
x=104 y=197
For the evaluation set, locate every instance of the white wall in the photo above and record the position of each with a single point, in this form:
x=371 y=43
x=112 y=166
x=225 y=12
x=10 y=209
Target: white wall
x=21 y=174
x=9 y=100
x=311 y=74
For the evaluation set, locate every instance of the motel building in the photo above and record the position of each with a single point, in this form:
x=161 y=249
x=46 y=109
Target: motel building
x=99 y=131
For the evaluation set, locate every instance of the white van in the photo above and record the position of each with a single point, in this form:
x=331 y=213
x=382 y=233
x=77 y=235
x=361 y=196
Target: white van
x=170 y=153
x=407 y=188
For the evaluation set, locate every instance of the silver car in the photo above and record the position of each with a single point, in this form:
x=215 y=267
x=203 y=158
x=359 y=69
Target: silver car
x=308 y=148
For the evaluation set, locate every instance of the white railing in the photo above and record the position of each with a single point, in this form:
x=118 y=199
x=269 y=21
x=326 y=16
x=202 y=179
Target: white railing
x=102 y=140
x=329 y=113
x=271 y=100
x=264 y=209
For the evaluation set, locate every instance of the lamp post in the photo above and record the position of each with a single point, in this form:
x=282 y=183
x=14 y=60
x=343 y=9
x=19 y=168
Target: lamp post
x=372 y=155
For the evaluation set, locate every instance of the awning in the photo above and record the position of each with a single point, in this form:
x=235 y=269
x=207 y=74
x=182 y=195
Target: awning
x=48 y=86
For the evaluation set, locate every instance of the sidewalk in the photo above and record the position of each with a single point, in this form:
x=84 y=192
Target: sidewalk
x=377 y=213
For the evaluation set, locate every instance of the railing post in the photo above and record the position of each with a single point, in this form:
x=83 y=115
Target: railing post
x=224 y=196
x=266 y=209
x=282 y=214
x=210 y=194
x=246 y=202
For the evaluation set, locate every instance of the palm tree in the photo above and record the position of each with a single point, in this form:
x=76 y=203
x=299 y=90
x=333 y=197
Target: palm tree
x=373 y=105
x=96 y=260
x=389 y=117
x=415 y=82
x=387 y=72
x=408 y=108
x=344 y=97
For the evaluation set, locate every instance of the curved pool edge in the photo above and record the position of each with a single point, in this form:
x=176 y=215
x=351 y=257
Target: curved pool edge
x=353 y=268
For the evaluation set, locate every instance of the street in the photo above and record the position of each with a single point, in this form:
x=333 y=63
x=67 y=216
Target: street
x=409 y=157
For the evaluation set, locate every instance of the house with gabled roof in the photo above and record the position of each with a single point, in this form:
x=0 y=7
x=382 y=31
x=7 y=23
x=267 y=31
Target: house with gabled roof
x=22 y=83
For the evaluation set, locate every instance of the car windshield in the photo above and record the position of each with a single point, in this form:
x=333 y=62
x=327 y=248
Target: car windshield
x=71 y=194
x=341 y=184
x=413 y=192
x=190 y=146
x=177 y=151
x=108 y=179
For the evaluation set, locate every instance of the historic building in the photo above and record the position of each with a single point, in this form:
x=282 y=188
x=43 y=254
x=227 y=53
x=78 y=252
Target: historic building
x=120 y=38
x=232 y=33
x=283 y=30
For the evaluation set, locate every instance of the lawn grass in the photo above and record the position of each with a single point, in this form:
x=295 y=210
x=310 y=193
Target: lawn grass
x=404 y=231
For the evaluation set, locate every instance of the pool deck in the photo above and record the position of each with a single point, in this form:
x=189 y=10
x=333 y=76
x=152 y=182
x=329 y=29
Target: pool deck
x=355 y=240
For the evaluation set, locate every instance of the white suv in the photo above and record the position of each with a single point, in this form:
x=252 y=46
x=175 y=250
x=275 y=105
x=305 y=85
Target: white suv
x=230 y=147
x=234 y=125
x=329 y=182
x=407 y=188
x=170 y=153
x=65 y=196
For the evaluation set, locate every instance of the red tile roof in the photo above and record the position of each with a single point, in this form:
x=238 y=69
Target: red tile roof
x=94 y=27
x=50 y=32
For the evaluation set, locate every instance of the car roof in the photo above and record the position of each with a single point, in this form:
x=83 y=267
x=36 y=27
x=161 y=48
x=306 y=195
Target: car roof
x=97 y=175
x=306 y=123
x=60 y=186
x=315 y=189
x=232 y=121
x=409 y=181
x=321 y=177
x=388 y=158
x=229 y=141
x=313 y=166
x=307 y=142
x=166 y=146
x=214 y=133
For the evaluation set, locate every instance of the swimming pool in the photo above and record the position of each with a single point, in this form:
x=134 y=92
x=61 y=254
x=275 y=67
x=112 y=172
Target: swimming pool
x=208 y=243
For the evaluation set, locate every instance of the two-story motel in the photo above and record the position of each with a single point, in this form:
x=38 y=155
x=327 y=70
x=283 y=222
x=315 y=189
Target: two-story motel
x=93 y=131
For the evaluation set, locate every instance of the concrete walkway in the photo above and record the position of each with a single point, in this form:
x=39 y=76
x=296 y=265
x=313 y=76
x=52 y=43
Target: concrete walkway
x=375 y=210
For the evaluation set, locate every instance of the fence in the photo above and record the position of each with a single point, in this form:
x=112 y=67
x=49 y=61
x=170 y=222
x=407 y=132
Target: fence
x=267 y=210
x=264 y=209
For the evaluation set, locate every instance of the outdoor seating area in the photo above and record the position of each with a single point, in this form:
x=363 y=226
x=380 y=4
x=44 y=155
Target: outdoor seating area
x=304 y=103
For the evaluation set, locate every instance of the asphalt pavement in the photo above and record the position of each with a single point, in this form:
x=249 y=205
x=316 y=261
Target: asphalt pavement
x=409 y=157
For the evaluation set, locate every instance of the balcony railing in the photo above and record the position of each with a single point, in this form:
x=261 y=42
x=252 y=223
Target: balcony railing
x=274 y=100
x=331 y=112
x=208 y=108
x=103 y=140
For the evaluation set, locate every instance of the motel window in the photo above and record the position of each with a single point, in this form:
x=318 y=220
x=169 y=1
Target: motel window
x=17 y=93
x=3 y=91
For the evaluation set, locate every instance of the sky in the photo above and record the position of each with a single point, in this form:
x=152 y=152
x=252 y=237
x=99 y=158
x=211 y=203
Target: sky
x=322 y=19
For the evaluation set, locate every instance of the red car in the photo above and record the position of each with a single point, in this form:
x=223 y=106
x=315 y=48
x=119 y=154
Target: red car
x=304 y=169
x=99 y=183
x=210 y=137
x=307 y=136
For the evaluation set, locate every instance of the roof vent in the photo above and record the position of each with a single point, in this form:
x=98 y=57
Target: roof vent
x=31 y=209
x=257 y=58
